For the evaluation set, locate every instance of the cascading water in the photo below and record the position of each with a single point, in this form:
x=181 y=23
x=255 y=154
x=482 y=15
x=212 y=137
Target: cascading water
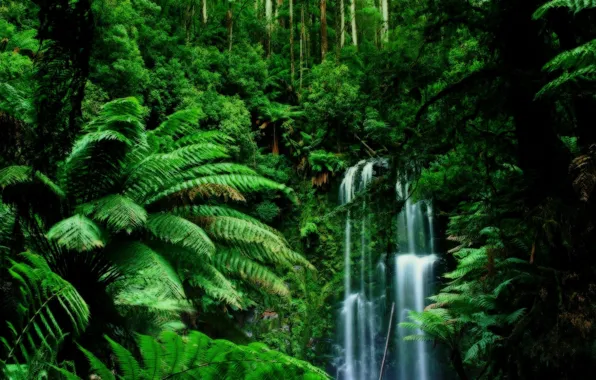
x=369 y=292
x=359 y=308
x=413 y=279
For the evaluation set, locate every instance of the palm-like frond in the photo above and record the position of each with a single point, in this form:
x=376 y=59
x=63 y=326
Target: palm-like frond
x=43 y=294
x=255 y=241
x=241 y=182
x=77 y=233
x=573 y=5
x=118 y=212
x=233 y=262
x=129 y=366
x=152 y=281
x=215 y=285
x=179 y=231
x=577 y=64
x=179 y=124
x=24 y=175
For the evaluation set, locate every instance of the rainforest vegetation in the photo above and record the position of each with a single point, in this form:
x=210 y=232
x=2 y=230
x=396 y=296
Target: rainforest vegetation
x=170 y=170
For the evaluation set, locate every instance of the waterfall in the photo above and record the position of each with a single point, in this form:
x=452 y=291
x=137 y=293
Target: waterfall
x=358 y=313
x=370 y=285
x=413 y=273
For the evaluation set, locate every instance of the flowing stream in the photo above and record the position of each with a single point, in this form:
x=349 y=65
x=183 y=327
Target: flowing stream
x=371 y=287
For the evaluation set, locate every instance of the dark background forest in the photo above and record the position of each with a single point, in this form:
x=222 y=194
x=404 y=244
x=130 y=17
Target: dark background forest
x=169 y=172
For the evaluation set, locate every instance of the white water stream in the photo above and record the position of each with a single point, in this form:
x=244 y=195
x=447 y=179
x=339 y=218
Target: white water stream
x=363 y=316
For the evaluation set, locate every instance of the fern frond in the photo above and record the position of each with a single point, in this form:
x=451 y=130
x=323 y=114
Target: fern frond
x=179 y=231
x=243 y=183
x=101 y=369
x=574 y=5
x=118 y=212
x=175 y=348
x=232 y=262
x=152 y=354
x=158 y=285
x=216 y=285
x=266 y=245
x=128 y=364
x=585 y=73
x=77 y=233
x=42 y=294
x=573 y=58
x=196 y=356
x=480 y=347
x=215 y=169
x=515 y=316
x=180 y=123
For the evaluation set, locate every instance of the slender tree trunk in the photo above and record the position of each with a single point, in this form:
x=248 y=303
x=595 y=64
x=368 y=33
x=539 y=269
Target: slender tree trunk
x=292 y=69
x=204 y=12
x=268 y=19
x=342 y=23
x=385 y=24
x=230 y=22
x=324 y=29
x=353 y=16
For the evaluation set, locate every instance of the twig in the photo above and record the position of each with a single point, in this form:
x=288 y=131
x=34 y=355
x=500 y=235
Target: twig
x=387 y=342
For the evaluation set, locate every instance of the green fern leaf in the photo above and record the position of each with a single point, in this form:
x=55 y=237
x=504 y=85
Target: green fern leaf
x=77 y=233
x=179 y=231
x=128 y=365
x=573 y=5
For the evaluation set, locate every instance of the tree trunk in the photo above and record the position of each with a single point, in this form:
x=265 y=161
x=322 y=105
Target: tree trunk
x=385 y=24
x=230 y=24
x=292 y=40
x=204 y=12
x=342 y=23
x=323 y=29
x=353 y=15
x=268 y=18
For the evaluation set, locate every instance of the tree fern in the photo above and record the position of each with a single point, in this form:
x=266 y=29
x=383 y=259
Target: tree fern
x=143 y=201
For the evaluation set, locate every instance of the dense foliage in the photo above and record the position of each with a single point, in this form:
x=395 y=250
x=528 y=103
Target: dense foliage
x=149 y=148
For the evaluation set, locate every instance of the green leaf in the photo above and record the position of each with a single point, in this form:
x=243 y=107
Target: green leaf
x=77 y=233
